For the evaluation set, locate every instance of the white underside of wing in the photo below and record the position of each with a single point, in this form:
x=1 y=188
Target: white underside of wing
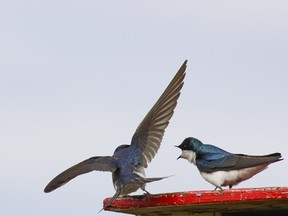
x=140 y=171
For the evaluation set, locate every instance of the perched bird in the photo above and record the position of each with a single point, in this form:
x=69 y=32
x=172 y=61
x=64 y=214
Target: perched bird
x=128 y=161
x=222 y=168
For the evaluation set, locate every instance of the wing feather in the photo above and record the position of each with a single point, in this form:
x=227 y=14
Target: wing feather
x=234 y=161
x=106 y=163
x=149 y=134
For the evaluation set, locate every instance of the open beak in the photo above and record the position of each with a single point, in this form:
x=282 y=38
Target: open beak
x=180 y=155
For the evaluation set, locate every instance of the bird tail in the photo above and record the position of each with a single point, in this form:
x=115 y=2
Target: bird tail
x=143 y=182
x=271 y=158
x=246 y=161
x=147 y=180
x=275 y=157
x=140 y=180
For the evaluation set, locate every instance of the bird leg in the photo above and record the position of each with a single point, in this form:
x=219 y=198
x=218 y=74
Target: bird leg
x=146 y=192
x=220 y=188
x=118 y=192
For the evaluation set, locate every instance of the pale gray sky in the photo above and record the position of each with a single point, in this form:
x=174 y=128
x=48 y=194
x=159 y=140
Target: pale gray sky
x=77 y=77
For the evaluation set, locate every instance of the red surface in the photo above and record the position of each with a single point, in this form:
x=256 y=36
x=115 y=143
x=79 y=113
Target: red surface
x=200 y=197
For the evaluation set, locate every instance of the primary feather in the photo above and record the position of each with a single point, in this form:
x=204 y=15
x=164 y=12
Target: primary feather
x=148 y=135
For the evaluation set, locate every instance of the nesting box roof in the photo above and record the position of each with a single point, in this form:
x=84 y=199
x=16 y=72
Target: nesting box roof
x=206 y=201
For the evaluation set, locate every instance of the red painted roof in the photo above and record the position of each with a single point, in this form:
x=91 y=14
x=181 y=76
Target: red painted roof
x=204 y=201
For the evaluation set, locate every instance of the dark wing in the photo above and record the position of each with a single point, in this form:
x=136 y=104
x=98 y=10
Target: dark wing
x=246 y=161
x=216 y=161
x=219 y=162
x=148 y=136
x=95 y=163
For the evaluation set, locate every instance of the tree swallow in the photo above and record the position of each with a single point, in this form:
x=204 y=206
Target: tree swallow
x=221 y=168
x=128 y=161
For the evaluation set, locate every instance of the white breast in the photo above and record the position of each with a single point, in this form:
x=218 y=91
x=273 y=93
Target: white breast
x=232 y=177
x=189 y=155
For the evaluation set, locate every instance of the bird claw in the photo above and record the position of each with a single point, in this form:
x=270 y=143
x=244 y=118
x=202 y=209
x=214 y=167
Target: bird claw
x=146 y=192
x=220 y=189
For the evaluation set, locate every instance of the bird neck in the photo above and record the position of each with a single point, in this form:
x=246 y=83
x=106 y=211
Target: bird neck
x=189 y=155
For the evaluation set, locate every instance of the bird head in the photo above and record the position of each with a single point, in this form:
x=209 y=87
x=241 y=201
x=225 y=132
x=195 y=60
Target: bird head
x=189 y=147
x=120 y=148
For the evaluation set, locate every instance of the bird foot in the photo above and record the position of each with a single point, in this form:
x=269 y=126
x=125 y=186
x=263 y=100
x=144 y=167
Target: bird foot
x=146 y=192
x=219 y=191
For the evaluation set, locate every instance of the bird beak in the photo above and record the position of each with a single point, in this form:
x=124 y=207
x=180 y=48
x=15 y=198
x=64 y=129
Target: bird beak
x=180 y=155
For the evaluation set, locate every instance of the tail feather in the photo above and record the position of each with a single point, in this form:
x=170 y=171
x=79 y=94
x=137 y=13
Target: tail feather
x=245 y=161
x=147 y=180
x=276 y=156
x=140 y=181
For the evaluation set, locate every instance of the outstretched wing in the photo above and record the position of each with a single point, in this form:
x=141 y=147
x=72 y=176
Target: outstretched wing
x=106 y=163
x=148 y=136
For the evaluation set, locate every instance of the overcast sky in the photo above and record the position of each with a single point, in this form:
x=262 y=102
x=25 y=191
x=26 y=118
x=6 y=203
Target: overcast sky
x=77 y=77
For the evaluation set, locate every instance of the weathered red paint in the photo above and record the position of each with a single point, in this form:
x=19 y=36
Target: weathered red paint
x=199 y=197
